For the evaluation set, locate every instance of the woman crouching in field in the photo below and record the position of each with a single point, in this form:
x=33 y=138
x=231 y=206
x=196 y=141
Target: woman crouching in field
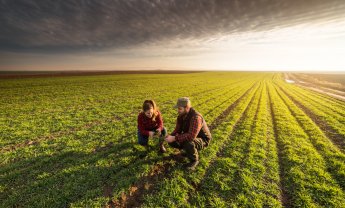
x=150 y=124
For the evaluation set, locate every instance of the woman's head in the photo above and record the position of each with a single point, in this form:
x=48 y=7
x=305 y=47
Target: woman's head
x=150 y=109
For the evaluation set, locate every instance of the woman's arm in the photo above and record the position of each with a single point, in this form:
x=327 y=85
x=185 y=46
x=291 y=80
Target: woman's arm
x=141 y=126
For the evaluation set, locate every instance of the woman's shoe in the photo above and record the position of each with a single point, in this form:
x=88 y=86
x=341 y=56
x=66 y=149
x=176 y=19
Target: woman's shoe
x=161 y=147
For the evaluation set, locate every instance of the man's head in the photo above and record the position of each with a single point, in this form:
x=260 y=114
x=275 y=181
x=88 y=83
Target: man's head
x=183 y=105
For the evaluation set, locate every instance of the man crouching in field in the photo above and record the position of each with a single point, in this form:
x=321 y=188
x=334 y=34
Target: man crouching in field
x=191 y=132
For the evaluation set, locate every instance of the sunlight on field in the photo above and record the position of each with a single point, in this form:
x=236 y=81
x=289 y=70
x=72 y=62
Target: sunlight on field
x=72 y=142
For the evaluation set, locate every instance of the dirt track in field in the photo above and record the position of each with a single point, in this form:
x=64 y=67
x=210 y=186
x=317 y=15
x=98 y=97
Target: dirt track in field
x=340 y=95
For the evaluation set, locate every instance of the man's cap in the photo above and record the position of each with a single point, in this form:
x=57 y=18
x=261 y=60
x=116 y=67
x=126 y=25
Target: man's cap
x=182 y=102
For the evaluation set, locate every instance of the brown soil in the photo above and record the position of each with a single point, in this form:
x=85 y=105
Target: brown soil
x=135 y=193
x=37 y=74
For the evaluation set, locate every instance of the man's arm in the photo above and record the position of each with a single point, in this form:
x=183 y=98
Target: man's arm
x=177 y=128
x=194 y=128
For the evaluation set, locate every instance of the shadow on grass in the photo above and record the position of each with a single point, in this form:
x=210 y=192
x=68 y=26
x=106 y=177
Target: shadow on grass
x=73 y=177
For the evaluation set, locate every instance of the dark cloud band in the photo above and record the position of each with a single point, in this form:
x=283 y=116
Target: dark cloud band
x=69 y=25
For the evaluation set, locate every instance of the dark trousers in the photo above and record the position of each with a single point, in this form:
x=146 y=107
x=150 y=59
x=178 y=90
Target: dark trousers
x=190 y=147
x=143 y=139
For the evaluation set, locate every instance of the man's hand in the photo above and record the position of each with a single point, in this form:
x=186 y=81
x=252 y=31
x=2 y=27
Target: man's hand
x=170 y=138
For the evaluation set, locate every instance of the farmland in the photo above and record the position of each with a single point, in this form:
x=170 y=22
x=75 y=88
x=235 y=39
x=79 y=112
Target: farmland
x=71 y=142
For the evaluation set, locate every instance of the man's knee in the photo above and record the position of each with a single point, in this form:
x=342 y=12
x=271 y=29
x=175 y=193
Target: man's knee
x=190 y=148
x=199 y=143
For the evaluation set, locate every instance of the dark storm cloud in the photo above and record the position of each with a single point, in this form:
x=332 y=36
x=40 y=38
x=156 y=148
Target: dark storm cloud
x=71 y=25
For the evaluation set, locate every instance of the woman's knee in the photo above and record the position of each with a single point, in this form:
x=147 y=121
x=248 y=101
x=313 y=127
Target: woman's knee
x=142 y=143
x=142 y=140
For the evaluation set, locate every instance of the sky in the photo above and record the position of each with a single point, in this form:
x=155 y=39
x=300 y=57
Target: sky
x=267 y=35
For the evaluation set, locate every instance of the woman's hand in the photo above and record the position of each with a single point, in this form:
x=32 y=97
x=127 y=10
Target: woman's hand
x=151 y=133
x=158 y=132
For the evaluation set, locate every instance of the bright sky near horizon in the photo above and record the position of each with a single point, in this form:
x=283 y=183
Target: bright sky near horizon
x=264 y=35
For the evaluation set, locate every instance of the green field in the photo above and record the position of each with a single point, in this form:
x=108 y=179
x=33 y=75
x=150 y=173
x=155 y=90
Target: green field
x=71 y=142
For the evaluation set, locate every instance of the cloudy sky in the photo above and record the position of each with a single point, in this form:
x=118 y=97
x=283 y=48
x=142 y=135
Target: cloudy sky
x=172 y=34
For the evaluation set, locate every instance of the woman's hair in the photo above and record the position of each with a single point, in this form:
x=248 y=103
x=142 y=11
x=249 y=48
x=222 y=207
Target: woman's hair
x=147 y=105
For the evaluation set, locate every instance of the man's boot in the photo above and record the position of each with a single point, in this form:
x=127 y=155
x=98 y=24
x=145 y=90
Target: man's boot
x=192 y=165
x=161 y=147
x=183 y=154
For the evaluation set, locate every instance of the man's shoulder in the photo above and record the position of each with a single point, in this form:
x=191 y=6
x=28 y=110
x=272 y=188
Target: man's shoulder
x=197 y=117
x=197 y=114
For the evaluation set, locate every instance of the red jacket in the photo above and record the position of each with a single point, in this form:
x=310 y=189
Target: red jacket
x=146 y=124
